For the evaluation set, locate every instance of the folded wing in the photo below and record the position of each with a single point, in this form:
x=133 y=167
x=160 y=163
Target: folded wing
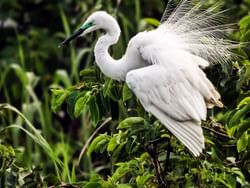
x=175 y=91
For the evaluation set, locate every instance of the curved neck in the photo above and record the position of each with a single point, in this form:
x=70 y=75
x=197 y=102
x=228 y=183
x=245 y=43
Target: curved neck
x=109 y=66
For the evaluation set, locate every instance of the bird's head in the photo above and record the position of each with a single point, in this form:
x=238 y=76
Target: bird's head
x=97 y=20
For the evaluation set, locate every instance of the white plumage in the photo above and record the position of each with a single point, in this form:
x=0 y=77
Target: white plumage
x=163 y=66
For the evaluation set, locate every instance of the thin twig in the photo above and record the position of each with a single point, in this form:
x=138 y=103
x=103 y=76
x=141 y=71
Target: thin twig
x=152 y=152
x=157 y=140
x=216 y=132
x=86 y=145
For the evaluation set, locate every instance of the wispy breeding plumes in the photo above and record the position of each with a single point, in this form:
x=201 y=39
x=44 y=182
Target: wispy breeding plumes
x=199 y=31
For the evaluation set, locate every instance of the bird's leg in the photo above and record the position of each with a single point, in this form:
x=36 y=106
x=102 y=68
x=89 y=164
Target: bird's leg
x=167 y=161
x=152 y=151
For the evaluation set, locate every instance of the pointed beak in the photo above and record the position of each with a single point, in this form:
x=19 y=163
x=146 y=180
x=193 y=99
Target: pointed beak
x=72 y=37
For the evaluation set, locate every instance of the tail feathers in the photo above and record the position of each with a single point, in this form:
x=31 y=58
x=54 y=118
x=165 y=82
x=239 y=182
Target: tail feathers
x=210 y=94
x=214 y=99
x=188 y=132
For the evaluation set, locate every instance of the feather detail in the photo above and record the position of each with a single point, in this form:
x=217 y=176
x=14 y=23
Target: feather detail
x=199 y=32
x=171 y=96
x=189 y=132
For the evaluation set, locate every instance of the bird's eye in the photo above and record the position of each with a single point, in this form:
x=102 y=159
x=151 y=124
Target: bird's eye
x=87 y=25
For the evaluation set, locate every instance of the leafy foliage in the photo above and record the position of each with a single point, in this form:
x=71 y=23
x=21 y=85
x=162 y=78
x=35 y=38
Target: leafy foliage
x=57 y=137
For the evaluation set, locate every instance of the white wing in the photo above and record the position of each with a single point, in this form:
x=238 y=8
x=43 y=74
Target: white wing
x=175 y=90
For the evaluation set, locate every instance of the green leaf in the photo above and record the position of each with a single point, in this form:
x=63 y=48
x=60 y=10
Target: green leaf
x=61 y=76
x=107 y=87
x=57 y=100
x=71 y=103
x=246 y=36
x=144 y=156
x=130 y=121
x=112 y=144
x=21 y=74
x=65 y=22
x=117 y=151
x=242 y=142
x=243 y=126
x=87 y=72
x=94 y=144
x=93 y=185
x=124 y=186
x=244 y=101
x=94 y=110
x=57 y=91
x=6 y=151
x=152 y=21
x=231 y=131
x=236 y=117
x=120 y=172
x=81 y=103
x=126 y=93
x=245 y=22
x=142 y=180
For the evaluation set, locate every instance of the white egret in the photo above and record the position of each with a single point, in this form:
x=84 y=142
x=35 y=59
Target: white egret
x=163 y=67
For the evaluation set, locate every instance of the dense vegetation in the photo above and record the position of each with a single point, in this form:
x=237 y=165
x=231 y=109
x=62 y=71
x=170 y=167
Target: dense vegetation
x=62 y=122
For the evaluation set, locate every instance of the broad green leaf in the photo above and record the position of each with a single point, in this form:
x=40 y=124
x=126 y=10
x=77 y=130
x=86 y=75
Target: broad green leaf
x=102 y=145
x=120 y=172
x=107 y=87
x=246 y=100
x=95 y=142
x=112 y=144
x=126 y=93
x=235 y=119
x=133 y=163
x=231 y=131
x=144 y=156
x=246 y=36
x=242 y=142
x=130 y=121
x=116 y=151
x=245 y=22
x=57 y=101
x=94 y=110
x=71 y=103
x=81 y=103
x=87 y=72
x=57 y=91
x=152 y=21
x=142 y=180
x=115 y=93
x=240 y=175
x=222 y=181
x=243 y=126
x=231 y=180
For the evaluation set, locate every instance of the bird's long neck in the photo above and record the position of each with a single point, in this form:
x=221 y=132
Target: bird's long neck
x=112 y=68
